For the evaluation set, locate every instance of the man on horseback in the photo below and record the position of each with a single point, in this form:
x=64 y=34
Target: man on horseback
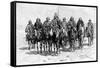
x=29 y=33
x=80 y=22
x=80 y=30
x=38 y=32
x=56 y=25
x=72 y=22
x=38 y=24
x=63 y=33
x=46 y=30
x=90 y=31
x=72 y=32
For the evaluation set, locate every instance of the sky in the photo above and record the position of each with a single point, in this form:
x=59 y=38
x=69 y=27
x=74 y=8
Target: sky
x=26 y=12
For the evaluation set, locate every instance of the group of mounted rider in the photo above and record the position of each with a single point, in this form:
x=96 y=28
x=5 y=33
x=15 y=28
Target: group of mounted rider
x=52 y=35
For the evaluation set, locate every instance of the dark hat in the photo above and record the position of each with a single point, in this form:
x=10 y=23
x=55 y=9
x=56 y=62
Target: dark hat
x=71 y=18
x=89 y=19
x=38 y=19
x=47 y=18
x=64 y=18
x=80 y=18
x=30 y=22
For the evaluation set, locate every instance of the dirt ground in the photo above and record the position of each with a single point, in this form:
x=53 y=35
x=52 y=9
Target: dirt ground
x=25 y=56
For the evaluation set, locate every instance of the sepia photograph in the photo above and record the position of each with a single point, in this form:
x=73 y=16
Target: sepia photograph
x=52 y=33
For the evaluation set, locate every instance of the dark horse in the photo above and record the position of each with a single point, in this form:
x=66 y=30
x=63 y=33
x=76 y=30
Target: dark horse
x=72 y=37
x=38 y=33
x=39 y=40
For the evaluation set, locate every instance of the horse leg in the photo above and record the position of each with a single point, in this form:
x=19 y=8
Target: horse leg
x=89 y=40
x=80 y=42
x=29 y=45
x=32 y=44
x=57 y=47
x=40 y=47
x=54 y=47
x=46 y=46
x=49 y=46
x=72 y=45
x=37 y=48
x=43 y=46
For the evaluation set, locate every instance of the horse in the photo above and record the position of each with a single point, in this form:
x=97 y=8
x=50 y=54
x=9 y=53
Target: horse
x=53 y=41
x=46 y=39
x=50 y=40
x=33 y=40
x=72 y=37
x=60 y=37
x=53 y=34
x=38 y=39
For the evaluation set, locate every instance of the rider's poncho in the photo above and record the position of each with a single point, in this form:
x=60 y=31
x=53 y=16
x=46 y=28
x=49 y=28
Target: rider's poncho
x=46 y=26
x=56 y=25
x=65 y=25
x=30 y=31
x=38 y=25
x=80 y=22
x=89 y=29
